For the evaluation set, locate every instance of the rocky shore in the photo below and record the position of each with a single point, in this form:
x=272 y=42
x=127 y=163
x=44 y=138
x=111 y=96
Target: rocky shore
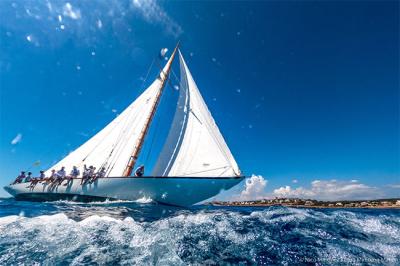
x=310 y=203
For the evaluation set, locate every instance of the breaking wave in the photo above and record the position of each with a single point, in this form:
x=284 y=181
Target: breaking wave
x=133 y=234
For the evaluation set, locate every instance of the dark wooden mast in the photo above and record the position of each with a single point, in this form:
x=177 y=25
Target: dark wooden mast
x=138 y=147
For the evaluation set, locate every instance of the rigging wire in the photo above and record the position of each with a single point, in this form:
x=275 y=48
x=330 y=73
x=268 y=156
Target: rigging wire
x=148 y=72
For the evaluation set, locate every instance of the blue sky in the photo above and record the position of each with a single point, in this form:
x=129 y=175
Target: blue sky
x=305 y=93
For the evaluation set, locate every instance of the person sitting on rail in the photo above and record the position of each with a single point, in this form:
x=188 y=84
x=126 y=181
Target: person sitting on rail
x=140 y=171
x=34 y=181
x=28 y=178
x=52 y=176
x=92 y=172
x=99 y=174
x=86 y=175
x=19 y=178
x=42 y=176
x=74 y=174
x=38 y=179
x=60 y=175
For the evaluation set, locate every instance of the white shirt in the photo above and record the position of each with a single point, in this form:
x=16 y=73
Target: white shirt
x=61 y=173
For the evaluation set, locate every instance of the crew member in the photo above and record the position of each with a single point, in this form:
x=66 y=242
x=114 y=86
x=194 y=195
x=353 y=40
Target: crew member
x=140 y=171
x=52 y=176
x=28 y=177
x=42 y=176
x=19 y=178
x=60 y=175
x=74 y=174
x=99 y=174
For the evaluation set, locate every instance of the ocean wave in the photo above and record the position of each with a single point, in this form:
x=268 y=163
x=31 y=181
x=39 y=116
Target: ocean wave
x=205 y=236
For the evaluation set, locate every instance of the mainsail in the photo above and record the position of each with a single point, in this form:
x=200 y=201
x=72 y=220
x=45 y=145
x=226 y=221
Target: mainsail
x=114 y=145
x=194 y=146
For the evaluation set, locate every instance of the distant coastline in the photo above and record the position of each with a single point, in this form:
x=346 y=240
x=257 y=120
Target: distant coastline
x=393 y=203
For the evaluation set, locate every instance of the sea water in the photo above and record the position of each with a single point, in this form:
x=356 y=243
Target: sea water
x=144 y=233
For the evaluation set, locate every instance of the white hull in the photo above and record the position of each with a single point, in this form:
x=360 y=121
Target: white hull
x=179 y=191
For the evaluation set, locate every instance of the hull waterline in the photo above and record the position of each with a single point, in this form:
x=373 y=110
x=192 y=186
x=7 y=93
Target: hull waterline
x=178 y=191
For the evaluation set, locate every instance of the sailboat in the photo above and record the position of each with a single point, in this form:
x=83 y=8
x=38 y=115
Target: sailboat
x=194 y=164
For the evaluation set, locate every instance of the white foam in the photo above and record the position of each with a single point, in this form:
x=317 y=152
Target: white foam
x=144 y=200
x=105 y=202
x=102 y=239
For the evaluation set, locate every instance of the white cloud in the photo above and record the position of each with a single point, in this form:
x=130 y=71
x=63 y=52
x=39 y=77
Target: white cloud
x=17 y=139
x=70 y=11
x=254 y=188
x=295 y=181
x=331 y=190
x=153 y=13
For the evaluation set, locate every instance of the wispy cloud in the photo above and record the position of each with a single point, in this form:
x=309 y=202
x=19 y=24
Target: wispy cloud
x=154 y=13
x=56 y=22
x=17 y=139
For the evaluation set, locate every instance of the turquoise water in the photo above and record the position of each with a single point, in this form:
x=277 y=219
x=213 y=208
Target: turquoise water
x=144 y=233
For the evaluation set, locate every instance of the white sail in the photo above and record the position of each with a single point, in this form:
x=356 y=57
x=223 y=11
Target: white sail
x=194 y=146
x=113 y=145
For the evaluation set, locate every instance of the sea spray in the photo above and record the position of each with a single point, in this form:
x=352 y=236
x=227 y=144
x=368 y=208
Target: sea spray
x=135 y=233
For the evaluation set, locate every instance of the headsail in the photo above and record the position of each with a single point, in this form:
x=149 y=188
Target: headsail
x=113 y=145
x=194 y=146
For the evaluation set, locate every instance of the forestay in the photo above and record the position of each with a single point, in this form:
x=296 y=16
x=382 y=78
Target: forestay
x=113 y=145
x=194 y=146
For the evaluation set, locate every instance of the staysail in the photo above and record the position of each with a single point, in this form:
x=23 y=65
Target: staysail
x=194 y=146
x=114 y=145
